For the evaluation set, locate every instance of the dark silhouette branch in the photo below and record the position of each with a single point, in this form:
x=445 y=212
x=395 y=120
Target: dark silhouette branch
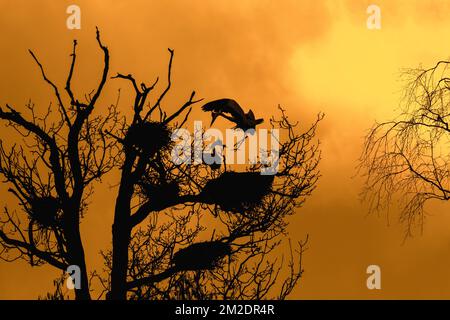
x=180 y=231
x=405 y=157
x=152 y=279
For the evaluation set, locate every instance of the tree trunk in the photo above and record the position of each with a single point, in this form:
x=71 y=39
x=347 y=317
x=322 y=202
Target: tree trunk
x=121 y=233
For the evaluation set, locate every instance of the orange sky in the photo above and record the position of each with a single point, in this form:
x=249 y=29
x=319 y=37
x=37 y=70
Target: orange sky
x=308 y=56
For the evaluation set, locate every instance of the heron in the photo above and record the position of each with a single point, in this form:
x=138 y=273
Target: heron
x=231 y=110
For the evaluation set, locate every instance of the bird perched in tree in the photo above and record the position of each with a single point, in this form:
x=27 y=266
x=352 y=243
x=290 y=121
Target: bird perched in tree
x=214 y=159
x=231 y=110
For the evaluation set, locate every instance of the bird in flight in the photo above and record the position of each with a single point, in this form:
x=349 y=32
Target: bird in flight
x=231 y=110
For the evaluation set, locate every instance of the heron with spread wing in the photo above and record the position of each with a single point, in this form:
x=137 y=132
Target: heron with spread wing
x=231 y=110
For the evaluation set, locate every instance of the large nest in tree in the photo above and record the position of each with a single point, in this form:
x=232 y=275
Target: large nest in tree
x=149 y=137
x=201 y=256
x=237 y=191
x=44 y=210
x=161 y=194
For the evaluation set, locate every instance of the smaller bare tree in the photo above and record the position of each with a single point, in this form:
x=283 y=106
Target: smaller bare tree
x=409 y=156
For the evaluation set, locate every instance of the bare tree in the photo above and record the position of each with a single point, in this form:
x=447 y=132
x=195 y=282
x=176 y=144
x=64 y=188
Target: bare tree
x=179 y=254
x=51 y=171
x=409 y=156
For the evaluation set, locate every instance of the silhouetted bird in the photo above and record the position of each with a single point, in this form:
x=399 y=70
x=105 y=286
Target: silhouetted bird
x=222 y=107
x=214 y=159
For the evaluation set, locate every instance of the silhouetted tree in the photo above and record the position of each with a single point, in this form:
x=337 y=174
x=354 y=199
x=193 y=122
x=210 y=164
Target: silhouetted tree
x=409 y=155
x=181 y=252
x=180 y=231
x=50 y=173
